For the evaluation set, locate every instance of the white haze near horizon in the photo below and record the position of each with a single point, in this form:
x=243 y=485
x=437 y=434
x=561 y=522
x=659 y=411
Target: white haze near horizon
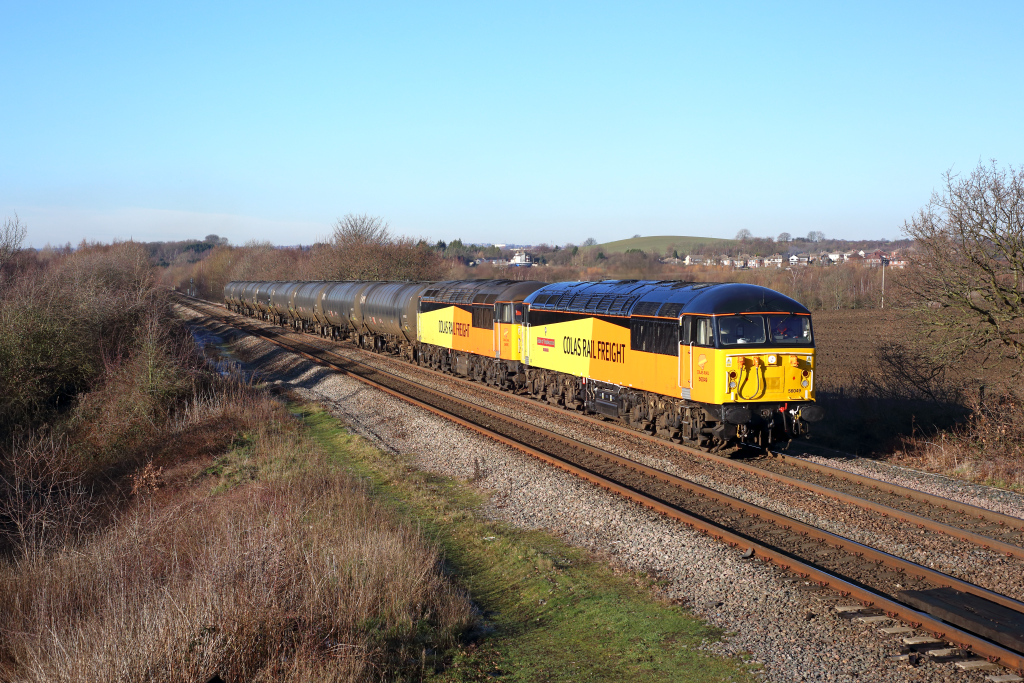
x=58 y=226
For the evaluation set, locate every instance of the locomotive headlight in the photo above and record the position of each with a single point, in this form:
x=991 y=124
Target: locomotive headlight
x=773 y=359
x=805 y=384
x=732 y=385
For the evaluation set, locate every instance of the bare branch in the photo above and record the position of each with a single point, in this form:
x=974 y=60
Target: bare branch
x=968 y=265
x=12 y=235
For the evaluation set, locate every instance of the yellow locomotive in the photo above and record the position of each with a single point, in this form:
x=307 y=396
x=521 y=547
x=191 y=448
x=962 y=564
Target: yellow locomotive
x=709 y=364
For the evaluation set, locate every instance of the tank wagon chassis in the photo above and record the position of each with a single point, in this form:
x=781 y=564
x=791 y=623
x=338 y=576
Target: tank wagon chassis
x=308 y=308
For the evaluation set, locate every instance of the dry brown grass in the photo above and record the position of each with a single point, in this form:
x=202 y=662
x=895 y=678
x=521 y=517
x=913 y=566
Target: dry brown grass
x=159 y=522
x=290 y=573
x=988 y=448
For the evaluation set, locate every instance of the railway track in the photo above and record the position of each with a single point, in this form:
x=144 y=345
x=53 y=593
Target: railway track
x=969 y=524
x=868 y=575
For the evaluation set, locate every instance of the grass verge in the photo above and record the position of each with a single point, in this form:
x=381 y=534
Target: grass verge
x=549 y=611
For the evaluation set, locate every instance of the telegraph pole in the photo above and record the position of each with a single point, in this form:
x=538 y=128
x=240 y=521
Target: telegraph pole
x=885 y=260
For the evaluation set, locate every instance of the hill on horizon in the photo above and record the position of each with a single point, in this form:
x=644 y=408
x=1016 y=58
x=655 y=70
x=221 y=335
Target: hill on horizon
x=664 y=243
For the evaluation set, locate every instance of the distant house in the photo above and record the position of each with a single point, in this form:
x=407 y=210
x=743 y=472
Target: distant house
x=672 y=261
x=695 y=260
x=522 y=259
x=755 y=262
x=874 y=258
x=725 y=260
x=773 y=260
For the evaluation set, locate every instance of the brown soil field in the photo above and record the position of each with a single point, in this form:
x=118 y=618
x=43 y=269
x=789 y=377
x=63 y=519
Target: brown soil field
x=859 y=417
x=846 y=343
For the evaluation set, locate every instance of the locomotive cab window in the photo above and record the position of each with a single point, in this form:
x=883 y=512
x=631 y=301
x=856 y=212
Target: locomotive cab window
x=703 y=332
x=518 y=313
x=780 y=328
x=503 y=313
x=654 y=336
x=790 y=329
x=739 y=330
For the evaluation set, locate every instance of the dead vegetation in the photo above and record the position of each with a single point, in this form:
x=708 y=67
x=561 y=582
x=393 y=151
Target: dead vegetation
x=289 y=572
x=159 y=521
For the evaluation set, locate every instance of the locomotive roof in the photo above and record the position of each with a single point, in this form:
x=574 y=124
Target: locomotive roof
x=664 y=299
x=480 y=291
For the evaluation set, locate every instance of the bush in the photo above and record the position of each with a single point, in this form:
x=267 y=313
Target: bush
x=62 y=323
x=988 y=448
x=290 y=573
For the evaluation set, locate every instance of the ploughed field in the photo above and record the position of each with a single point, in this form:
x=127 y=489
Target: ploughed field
x=858 y=418
x=846 y=341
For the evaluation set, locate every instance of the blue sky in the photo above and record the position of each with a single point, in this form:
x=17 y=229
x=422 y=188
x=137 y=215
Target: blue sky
x=497 y=122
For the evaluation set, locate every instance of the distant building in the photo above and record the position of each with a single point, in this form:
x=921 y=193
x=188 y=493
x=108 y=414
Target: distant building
x=521 y=259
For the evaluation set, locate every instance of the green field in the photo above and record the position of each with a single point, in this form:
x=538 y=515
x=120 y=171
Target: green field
x=663 y=243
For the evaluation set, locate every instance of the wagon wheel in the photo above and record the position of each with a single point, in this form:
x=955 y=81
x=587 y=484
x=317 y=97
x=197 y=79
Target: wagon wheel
x=661 y=426
x=636 y=419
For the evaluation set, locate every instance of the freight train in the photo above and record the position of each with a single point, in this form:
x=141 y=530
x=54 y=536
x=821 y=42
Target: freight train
x=711 y=365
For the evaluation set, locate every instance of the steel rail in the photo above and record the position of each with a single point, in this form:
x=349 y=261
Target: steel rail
x=895 y=489
x=922 y=522
x=867 y=596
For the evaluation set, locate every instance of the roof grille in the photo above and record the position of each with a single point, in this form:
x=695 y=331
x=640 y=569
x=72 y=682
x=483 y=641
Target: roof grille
x=670 y=310
x=647 y=308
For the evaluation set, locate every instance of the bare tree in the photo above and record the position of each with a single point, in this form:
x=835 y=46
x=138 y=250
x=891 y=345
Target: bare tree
x=12 y=235
x=590 y=242
x=815 y=236
x=784 y=237
x=744 y=235
x=366 y=250
x=967 y=273
x=359 y=231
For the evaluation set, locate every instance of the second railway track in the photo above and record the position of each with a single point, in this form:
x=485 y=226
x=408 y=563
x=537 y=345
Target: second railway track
x=859 y=571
